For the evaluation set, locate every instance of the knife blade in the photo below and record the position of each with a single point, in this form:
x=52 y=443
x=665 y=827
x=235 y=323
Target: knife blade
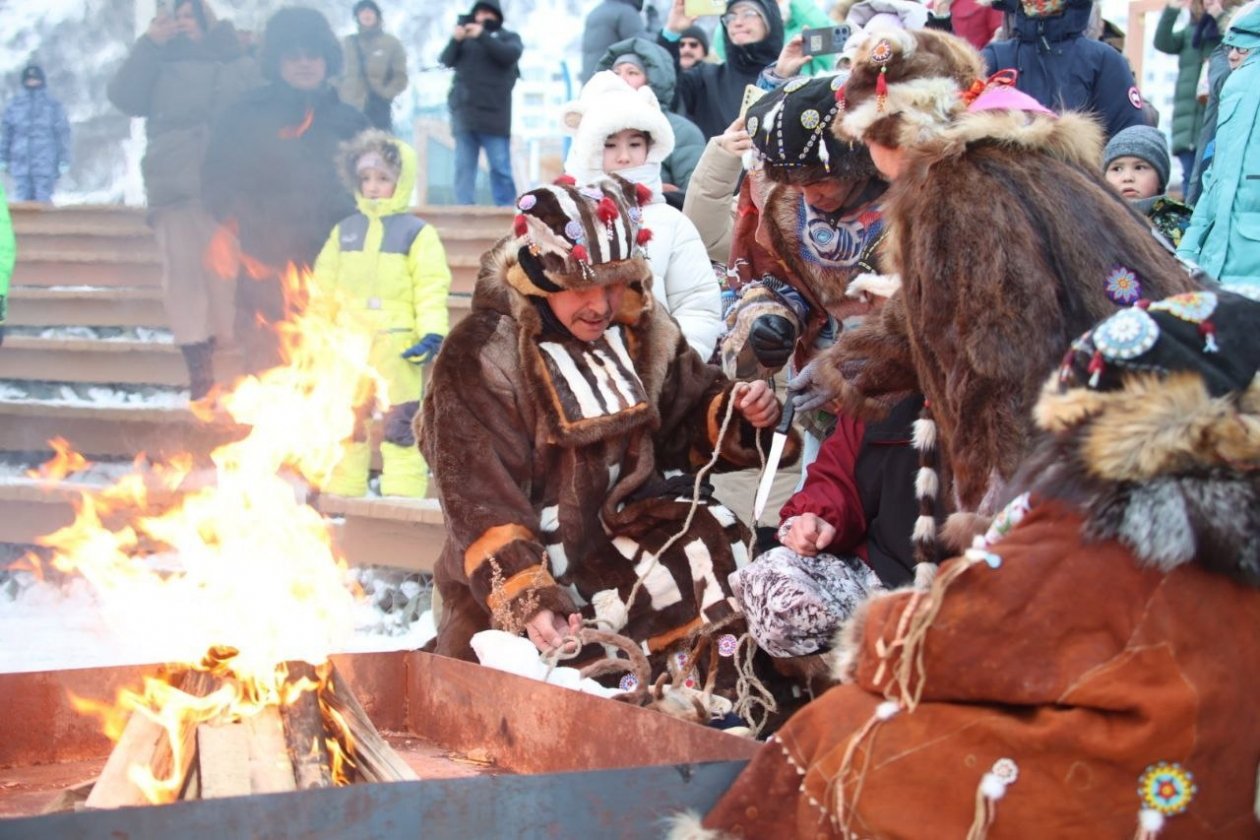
x=772 y=460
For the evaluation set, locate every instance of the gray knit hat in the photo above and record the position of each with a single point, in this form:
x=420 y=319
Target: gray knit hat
x=1141 y=141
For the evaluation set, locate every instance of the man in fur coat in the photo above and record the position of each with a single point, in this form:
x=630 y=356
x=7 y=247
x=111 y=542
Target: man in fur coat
x=1006 y=241
x=1067 y=677
x=557 y=408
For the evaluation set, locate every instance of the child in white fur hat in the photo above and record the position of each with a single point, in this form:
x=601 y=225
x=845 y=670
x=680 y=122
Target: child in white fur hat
x=619 y=129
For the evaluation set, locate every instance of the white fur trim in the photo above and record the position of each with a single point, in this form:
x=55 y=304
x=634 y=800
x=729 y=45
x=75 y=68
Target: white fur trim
x=606 y=106
x=873 y=285
x=687 y=826
x=924 y=437
x=926 y=483
x=610 y=610
x=924 y=574
x=926 y=106
x=924 y=529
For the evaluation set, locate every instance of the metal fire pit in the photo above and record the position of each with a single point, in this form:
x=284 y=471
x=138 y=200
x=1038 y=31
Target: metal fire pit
x=499 y=756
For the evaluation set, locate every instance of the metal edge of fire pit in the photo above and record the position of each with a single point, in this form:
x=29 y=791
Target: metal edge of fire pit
x=627 y=804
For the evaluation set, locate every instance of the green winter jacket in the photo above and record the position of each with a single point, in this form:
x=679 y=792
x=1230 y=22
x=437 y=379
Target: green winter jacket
x=1187 y=118
x=8 y=255
x=802 y=14
x=659 y=66
x=389 y=263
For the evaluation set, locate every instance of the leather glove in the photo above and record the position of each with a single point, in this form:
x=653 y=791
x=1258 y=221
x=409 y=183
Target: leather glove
x=423 y=352
x=772 y=339
x=807 y=392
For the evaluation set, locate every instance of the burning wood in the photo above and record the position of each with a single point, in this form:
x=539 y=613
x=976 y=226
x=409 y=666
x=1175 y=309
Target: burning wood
x=318 y=735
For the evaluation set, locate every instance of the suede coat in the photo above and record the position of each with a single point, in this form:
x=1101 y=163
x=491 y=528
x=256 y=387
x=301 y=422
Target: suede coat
x=1081 y=661
x=558 y=501
x=989 y=305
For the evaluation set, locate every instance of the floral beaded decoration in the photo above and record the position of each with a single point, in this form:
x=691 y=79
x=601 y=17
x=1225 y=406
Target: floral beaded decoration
x=1165 y=790
x=1126 y=335
x=727 y=644
x=1195 y=308
x=1122 y=286
x=811 y=120
x=881 y=54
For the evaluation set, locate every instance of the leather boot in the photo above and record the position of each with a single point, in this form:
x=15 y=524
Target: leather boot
x=199 y=359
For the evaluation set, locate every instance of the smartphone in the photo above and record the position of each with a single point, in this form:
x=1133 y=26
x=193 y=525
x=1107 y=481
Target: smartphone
x=704 y=8
x=751 y=94
x=463 y=20
x=825 y=40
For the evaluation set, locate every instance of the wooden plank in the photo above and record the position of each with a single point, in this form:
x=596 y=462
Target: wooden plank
x=269 y=767
x=376 y=759
x=138 y=745
x=304 y=733
x=223 y=760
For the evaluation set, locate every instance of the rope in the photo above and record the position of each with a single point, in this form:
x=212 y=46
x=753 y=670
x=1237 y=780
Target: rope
x=746 y=683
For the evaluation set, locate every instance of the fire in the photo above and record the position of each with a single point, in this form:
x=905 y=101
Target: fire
x=231 y=560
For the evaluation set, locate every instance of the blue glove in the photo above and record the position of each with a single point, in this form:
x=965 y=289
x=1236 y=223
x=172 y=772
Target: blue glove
x=425 y=351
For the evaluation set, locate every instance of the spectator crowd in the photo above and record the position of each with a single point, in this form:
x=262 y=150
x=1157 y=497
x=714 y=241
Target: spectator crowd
x=935 y=259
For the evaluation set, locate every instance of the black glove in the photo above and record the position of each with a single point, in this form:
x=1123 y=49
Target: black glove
x=772 y=339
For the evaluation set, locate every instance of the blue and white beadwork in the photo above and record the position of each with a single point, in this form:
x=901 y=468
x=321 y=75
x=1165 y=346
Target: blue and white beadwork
x=727 y=644
x=1194 y=307
x=1126 y=335
x=628 y=683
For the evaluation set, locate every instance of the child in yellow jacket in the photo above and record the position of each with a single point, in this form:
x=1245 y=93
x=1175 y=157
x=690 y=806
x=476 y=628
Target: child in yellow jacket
x=391 y=268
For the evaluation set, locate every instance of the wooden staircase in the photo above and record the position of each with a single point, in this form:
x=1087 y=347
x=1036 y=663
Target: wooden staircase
x=98 y=267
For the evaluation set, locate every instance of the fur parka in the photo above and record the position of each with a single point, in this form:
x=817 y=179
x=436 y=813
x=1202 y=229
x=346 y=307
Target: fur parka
x=1008 y=246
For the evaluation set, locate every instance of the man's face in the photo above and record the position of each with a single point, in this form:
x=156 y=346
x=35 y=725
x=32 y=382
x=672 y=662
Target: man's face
x=690 y=52
x=827 y=195
x=303 y=70
x=483 y=15
x=587 y=312
x=187 y=23
x=367 y=18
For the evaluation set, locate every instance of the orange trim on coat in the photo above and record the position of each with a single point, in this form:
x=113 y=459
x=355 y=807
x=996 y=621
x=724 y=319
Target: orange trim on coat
x=658 y=643
x=489 y=543
x=535 y=577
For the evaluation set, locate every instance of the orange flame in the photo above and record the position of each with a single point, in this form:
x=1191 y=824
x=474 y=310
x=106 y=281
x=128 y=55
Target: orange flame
x=65 y=461
x=245 y=562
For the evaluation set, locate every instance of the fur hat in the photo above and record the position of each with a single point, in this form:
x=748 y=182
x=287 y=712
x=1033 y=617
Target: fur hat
x=606 y=106
x=570 y=237
x=1141 y=141
x=369 y=149
x=1160 y=389
x=299 y=29
x=906 y=86
x=791 y=130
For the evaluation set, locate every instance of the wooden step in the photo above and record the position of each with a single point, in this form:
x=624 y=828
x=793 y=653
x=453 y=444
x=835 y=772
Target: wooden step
x=125 y=220
x=405 y=534
x=115 y=268
x=35 y=306
x=109 y=432
x=31 y=359
x=49 y=236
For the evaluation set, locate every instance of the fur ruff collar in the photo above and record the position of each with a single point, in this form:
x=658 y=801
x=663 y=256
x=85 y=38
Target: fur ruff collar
x=1073 y=138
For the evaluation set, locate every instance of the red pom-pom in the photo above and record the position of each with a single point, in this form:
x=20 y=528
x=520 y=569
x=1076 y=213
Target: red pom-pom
x=579 y=253
x=565 y=181
x=644 y=236
x=643 y=193
x=606 y=210
x=519 y=226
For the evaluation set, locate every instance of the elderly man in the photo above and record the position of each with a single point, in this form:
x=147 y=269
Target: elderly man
x=565 y=418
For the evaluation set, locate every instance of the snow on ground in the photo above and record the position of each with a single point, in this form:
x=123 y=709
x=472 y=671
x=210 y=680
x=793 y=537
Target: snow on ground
x=101 y=396
x=49 y=625
x=149 y=335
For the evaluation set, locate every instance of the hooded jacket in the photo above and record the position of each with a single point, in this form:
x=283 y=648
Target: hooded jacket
x=676 y=169
x=485 y=72
x=710 y=94
x=271 y=166
x=801 y=15
x=610 y=22
x=180 y=88
x=1224 y=232
x=34 y=134
x=1064 y=69
x=390 y=263
x=1187 y=116
x=382 y=56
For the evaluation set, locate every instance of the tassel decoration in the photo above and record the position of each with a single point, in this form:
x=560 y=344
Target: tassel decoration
x=643 y=193
x=1096 y=365
x=580 y=254
x=881 y=89
x=992 y=787
x=565 y=181
x=1208 y=330
x=643 y=237
x=606 y=210
x=519 y=226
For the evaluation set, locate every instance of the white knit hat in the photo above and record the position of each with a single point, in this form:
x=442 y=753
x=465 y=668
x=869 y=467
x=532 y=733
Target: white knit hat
x=606 y=106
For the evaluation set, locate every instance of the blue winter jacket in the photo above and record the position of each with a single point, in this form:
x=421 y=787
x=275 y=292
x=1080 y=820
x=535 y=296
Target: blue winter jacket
x=1224 y=232
x=35 y=134
x=1063 y=69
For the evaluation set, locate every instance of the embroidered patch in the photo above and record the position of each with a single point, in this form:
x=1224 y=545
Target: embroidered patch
x=1167 y=787
x=527 y=202
x=635 y=214
x=1195 y=307
x=1122 y=286
x=882 y=52
x=573 y=230
x=628 y=683
x=810 y=119
x=837 y=82
x=1126 y=335
x=753 y=125
x=1135 y=98
x=727 y=644
x=795 y=85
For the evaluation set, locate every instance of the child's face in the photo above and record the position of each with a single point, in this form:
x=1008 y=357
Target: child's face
x=374 y=183
x=625 y=149
x=587 y=312
x=1133 y=177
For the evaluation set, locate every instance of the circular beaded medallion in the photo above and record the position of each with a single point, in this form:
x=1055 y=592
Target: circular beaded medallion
x=628 y=683
x=1167 y=787
x=1126 y=335
x=810 y=119
x=795 y=85
x=753 y=125
x=882 y=52
x=727 y=644
x=1195 y=307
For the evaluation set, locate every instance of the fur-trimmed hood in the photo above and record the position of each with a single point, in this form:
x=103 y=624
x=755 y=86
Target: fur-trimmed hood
x=606 y=106
x=396 y=155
